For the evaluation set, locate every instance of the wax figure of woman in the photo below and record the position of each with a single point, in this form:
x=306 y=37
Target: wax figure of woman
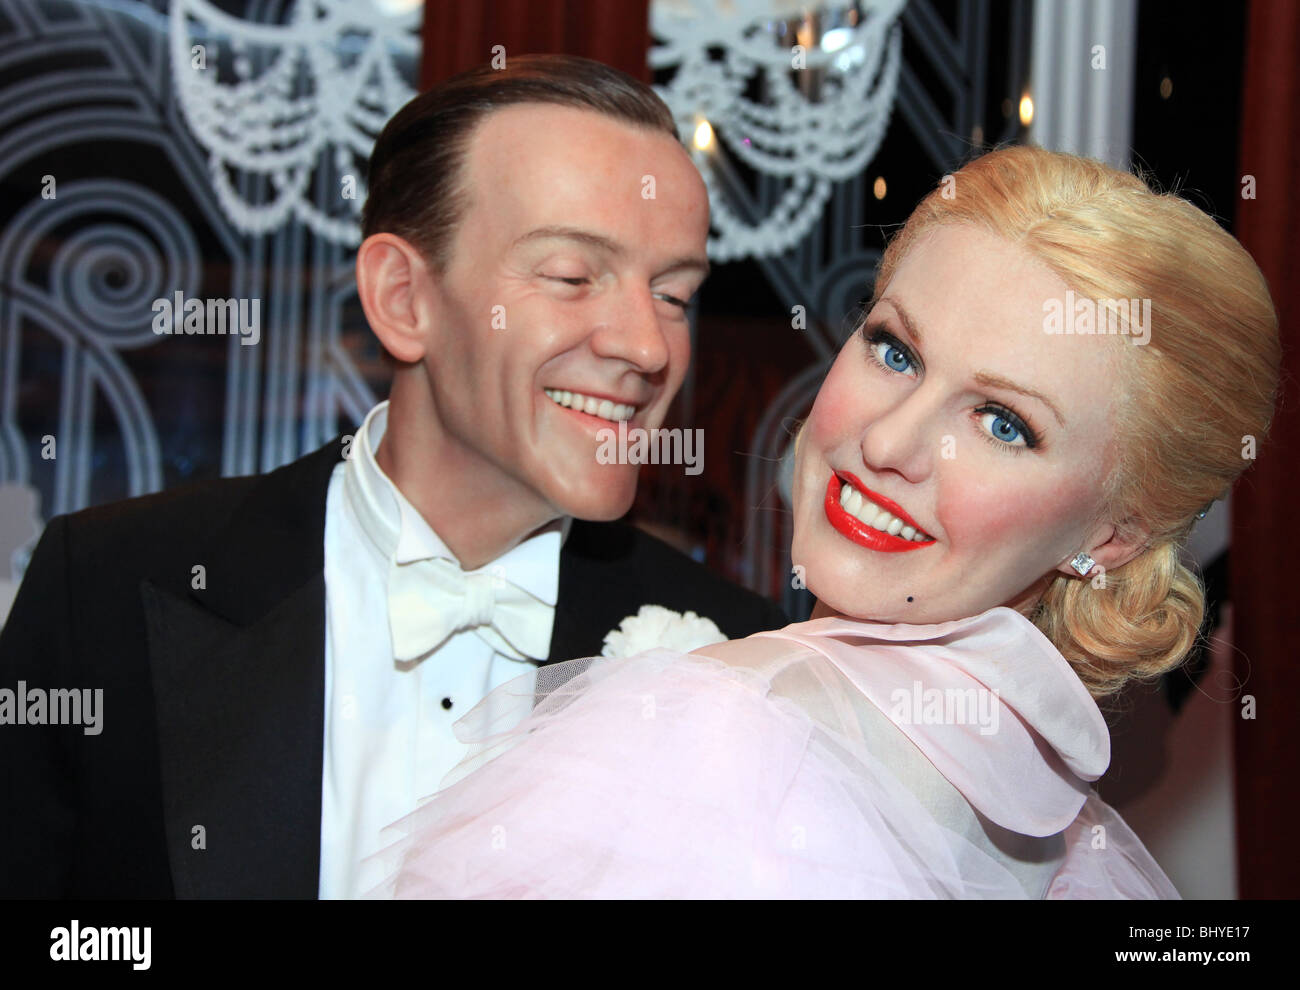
x=989 y=496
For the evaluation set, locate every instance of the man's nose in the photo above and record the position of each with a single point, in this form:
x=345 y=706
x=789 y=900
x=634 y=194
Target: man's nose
x=631 y=331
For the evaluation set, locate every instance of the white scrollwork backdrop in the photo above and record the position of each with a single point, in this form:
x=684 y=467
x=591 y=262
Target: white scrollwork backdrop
x=149 y=148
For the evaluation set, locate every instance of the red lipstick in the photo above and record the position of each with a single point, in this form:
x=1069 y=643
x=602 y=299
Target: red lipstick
x=859 y=532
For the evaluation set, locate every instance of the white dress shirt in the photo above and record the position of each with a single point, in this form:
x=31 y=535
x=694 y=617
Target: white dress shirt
x=388 y=724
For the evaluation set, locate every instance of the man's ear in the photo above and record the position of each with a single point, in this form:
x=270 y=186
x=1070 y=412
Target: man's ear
x=1111 y=546
x=394 y=283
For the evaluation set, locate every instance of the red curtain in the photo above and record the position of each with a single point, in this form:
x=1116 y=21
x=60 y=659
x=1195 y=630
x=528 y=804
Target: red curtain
x=459 y=34
x=1265 y=525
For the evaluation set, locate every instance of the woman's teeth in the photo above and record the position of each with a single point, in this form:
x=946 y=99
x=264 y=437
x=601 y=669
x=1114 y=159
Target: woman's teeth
x=614 y=411
x=873 y=515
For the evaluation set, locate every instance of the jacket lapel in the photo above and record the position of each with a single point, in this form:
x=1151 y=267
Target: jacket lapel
x=594 y=593
x=238 y=670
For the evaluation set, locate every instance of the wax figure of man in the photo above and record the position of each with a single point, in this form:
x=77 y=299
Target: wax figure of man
x=259 y=731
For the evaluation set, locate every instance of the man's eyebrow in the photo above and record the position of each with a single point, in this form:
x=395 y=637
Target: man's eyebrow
x=986 y=378
x=698 y=263
x=607 y=245
x=587 y=237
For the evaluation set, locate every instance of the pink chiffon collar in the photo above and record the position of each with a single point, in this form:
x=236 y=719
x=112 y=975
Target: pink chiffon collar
x=987 y=699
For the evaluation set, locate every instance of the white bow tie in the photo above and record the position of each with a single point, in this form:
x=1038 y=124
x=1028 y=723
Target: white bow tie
x=429 y=600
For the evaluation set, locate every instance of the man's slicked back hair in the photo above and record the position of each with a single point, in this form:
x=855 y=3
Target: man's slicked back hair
x=416 y=175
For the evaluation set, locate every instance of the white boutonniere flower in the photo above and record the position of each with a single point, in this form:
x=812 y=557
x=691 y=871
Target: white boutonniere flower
x=655 y=626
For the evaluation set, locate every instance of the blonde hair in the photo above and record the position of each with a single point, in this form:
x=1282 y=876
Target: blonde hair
x=1205 y=382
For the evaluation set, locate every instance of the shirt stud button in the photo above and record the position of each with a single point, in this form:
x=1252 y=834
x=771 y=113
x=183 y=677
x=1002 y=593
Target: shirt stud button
x=446 y=702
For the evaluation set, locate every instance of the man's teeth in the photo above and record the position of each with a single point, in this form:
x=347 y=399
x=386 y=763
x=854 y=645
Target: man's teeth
x=604 y=408
x=873 y=515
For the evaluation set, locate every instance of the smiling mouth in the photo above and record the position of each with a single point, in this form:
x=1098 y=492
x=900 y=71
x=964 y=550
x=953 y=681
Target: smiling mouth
x=592 y=405
x=856 y=515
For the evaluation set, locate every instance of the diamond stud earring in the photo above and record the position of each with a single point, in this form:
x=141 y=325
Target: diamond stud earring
x=1082 y=563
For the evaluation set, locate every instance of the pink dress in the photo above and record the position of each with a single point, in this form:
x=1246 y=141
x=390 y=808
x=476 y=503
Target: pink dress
x=834 y=758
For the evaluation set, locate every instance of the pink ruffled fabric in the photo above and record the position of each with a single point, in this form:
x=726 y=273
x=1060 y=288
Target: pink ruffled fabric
x=1105 y=860
x=669 y=775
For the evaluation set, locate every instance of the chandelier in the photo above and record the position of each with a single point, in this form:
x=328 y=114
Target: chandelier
x=800 y=97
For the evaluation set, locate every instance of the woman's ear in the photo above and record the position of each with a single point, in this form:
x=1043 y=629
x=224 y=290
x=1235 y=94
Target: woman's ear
x=397 y=292
x=1112 y=546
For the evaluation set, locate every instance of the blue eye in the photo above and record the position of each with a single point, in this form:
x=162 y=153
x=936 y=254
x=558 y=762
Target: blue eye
x=889 y=354
x=1002 y=427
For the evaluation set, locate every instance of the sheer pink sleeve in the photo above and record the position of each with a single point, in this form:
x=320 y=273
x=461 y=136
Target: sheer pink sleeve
x=1105 y=860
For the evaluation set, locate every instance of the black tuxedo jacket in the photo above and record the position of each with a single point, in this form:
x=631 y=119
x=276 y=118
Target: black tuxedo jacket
x=205 y=779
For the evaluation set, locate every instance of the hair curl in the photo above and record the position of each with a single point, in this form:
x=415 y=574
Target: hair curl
x=1191 y=397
